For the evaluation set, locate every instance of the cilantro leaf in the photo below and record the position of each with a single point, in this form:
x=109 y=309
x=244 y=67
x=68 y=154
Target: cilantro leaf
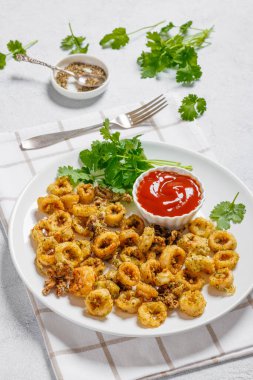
x=192 y=107
x=165 y=29
x=188 y=74
x=173 y=52
x=16 y=47
x=186 y=56
x=116 y=39
x=226 y=212
x=105 y=130
x=107 y=135
x=114 y=163
x=119 y=36
x=2 y=61
x=74 y=43
x=75 y=175
x=185 y=27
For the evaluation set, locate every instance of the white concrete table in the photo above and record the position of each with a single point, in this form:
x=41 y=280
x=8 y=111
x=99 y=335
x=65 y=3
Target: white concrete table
x=27 y=99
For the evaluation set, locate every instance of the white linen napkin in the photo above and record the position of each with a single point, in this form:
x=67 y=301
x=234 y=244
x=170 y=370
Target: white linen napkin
x=78 y=353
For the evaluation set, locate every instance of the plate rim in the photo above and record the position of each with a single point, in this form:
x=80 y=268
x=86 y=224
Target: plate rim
x=152 y=332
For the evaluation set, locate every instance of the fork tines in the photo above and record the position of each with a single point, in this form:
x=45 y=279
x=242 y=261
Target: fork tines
x=147 y=110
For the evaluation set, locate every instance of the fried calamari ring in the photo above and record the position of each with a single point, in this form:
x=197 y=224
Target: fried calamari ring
x=99 y=302
x=79 y=225
x=157 y=246
x=149 y=270
x=114 y=214
x=128 y=302
x=201 y=227
x=41 y=230
x=113 y=288
x=60 y=220
x=49 y=204
x=61 y=186
x=152 y=314
x=84 y=210
x=133 y=251
x=111 y=275
x=223 y=280
x=146 y=291
x=63 y=234
x=97 y=264
x=128 y=274
x=192 y=303
x=86 y=192
x=128 y=238
x=105 y=244
x=222 y=241
x=83 y=281
x=129 y=259
x=198 y=263
x=164 y=278
x=85 y=247
x=69 y=200
x=172 y=258
x=68 y=253
x=45 y=254
x=146 y=239
x=191 y=281
x=133 y=222
x=193 y=244
x=225 y=259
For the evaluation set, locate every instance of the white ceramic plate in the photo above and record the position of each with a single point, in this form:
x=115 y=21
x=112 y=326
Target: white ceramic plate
x=219 y=183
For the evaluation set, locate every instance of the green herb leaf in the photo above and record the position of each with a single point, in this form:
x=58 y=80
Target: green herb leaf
x=192 y=107
x=2 y=61
x=113 y=162
x=188 y=74
x=226 y=212
x=74 y=43
x=165 y=29
x=75 y=175
x=116 y=39
x=178 y=52
x=185 y=27
x=16 y=47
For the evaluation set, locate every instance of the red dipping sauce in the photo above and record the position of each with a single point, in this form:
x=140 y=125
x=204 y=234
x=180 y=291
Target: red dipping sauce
x=168 y=193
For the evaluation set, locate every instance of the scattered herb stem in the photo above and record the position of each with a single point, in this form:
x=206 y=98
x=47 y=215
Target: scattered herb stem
x=146 y=27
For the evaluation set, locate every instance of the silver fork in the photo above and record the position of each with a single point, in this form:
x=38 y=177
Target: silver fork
x=124 y=120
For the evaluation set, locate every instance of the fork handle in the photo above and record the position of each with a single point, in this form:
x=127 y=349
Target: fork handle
x=42 y=141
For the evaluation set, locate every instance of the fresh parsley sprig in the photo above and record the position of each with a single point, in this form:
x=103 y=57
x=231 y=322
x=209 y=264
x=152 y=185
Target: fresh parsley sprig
x=119 y=37
x=174 y=51
x=74 y=44
x=192 y=107
x=226 y=212
x=14 y=47
x=113 y=162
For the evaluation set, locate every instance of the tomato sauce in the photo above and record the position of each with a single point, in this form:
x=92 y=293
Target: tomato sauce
x=168 y=193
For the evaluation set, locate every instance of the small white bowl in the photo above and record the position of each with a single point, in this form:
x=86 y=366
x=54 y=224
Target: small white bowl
x=83 y=58
x=167 y=221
